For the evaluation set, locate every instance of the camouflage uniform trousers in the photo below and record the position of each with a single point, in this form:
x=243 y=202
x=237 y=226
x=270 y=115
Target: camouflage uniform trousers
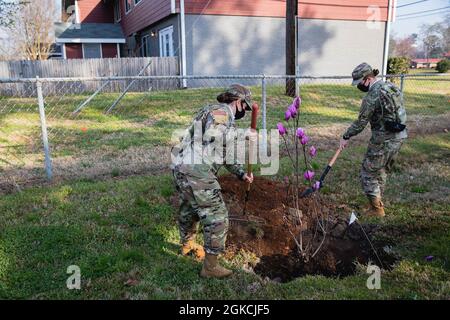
x=206 y=206
x=378 y=160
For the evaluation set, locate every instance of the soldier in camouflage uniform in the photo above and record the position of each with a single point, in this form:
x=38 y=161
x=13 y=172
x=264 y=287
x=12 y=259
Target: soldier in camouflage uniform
x=383 y=145
x=196 y=181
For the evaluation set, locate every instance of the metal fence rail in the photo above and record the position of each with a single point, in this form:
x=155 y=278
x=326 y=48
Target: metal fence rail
x=81 y=127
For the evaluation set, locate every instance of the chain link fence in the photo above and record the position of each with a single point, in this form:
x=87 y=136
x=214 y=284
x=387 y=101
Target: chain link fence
x=60 y=128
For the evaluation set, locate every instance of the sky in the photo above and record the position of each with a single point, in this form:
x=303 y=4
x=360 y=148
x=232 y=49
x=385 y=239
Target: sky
x=406 y=25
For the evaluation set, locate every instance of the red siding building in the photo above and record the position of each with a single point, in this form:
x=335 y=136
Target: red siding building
x=333 y=34
x=89 y=30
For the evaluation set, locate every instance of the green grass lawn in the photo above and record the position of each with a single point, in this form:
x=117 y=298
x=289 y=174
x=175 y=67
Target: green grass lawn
x=121 y=231
x=422 y=71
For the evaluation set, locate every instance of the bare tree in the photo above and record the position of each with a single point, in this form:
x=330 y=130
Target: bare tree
x=432 y=40
x=32 y=30
x=392 y=44
x=405 y=47
x=7 y=9
x=446 y=33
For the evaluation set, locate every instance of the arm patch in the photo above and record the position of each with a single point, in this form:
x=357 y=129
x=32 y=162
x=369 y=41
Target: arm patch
x=220 y=116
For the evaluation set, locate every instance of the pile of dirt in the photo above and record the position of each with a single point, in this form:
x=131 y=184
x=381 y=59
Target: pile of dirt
x=268 y=227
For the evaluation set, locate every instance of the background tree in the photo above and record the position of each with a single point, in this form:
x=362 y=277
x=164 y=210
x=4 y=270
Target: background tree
x=32 y=30
x=406 y=47
x=443 y=66
x=392 y=44
x=398 y=65
x=432 y=40
x=7 y=10
x=445 y=33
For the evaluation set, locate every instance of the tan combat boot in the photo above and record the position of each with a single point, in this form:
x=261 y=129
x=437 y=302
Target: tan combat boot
x=191 y=247
x=376 y=207
x=212 y=269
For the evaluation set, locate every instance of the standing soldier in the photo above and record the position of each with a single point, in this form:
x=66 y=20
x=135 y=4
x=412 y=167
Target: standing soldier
x=196 y=181
x=383 y=108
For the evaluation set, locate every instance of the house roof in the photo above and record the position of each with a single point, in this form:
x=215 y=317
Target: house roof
x=89 y=33
x=426 y=60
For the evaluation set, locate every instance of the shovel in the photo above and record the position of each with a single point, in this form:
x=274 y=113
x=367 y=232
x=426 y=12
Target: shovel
x=309 y=191
x=255 y=109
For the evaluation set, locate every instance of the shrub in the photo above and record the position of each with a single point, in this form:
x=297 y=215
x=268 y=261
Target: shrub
x=398 y=65
x=443 y=66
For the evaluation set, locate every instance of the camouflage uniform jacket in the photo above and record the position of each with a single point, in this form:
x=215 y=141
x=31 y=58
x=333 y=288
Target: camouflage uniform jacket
x=371 y=112
x=214 y=120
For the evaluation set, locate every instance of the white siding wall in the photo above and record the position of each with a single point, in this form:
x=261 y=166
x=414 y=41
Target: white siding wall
x=255 y=45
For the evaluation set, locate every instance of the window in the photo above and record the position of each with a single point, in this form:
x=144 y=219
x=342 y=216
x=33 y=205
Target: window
x=56 y=51
x=145 y=46
x=69 y=11
x=136 y=2
x=127 y=5
x=92 y=50
x=117 y=13
x=166 y=42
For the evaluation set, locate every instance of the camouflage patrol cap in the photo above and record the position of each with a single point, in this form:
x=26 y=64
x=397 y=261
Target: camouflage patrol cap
x=361 y=71
x=242 y=92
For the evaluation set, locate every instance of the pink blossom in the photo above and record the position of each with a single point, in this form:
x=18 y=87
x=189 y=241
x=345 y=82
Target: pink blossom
x=286 y=180
x=281 y=129
x=297 y=102
x=309 y=175
x=312 y=151
x=287 y=115
x=304 y=140
x=316 y=185
x=300 y=133
x=293 y=110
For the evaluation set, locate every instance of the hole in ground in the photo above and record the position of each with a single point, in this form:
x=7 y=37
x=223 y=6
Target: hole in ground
x=267 y=226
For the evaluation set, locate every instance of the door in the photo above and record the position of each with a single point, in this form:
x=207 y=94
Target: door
x=166 y=42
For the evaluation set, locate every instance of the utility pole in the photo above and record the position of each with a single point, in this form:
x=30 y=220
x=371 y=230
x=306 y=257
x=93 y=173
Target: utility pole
x=291 y=44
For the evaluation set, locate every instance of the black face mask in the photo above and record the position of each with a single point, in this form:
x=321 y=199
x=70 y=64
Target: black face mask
x=239 y=114
x=363 y=87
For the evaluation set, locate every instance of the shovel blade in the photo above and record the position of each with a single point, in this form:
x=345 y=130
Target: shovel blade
x=307 y=192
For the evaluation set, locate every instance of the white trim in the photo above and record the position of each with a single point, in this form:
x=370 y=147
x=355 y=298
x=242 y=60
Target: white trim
x=387 y=35
x=118 y=50
x=147 y=36
x=183 y=42
x=77 y=12
x=162 y=33
x=90 y=40
x=63 y=49
x=135 y=4
x=101 y=51
x=173 y=7
x=125 y=7
x=120 y=11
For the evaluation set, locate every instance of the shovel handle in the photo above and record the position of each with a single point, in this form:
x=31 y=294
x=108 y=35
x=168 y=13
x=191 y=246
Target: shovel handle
x=253 y=125
x=336 y=155
x=330 y=164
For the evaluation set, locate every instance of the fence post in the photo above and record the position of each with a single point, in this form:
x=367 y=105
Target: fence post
x=402 y=82
x=264 y=111
x=48 y=160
